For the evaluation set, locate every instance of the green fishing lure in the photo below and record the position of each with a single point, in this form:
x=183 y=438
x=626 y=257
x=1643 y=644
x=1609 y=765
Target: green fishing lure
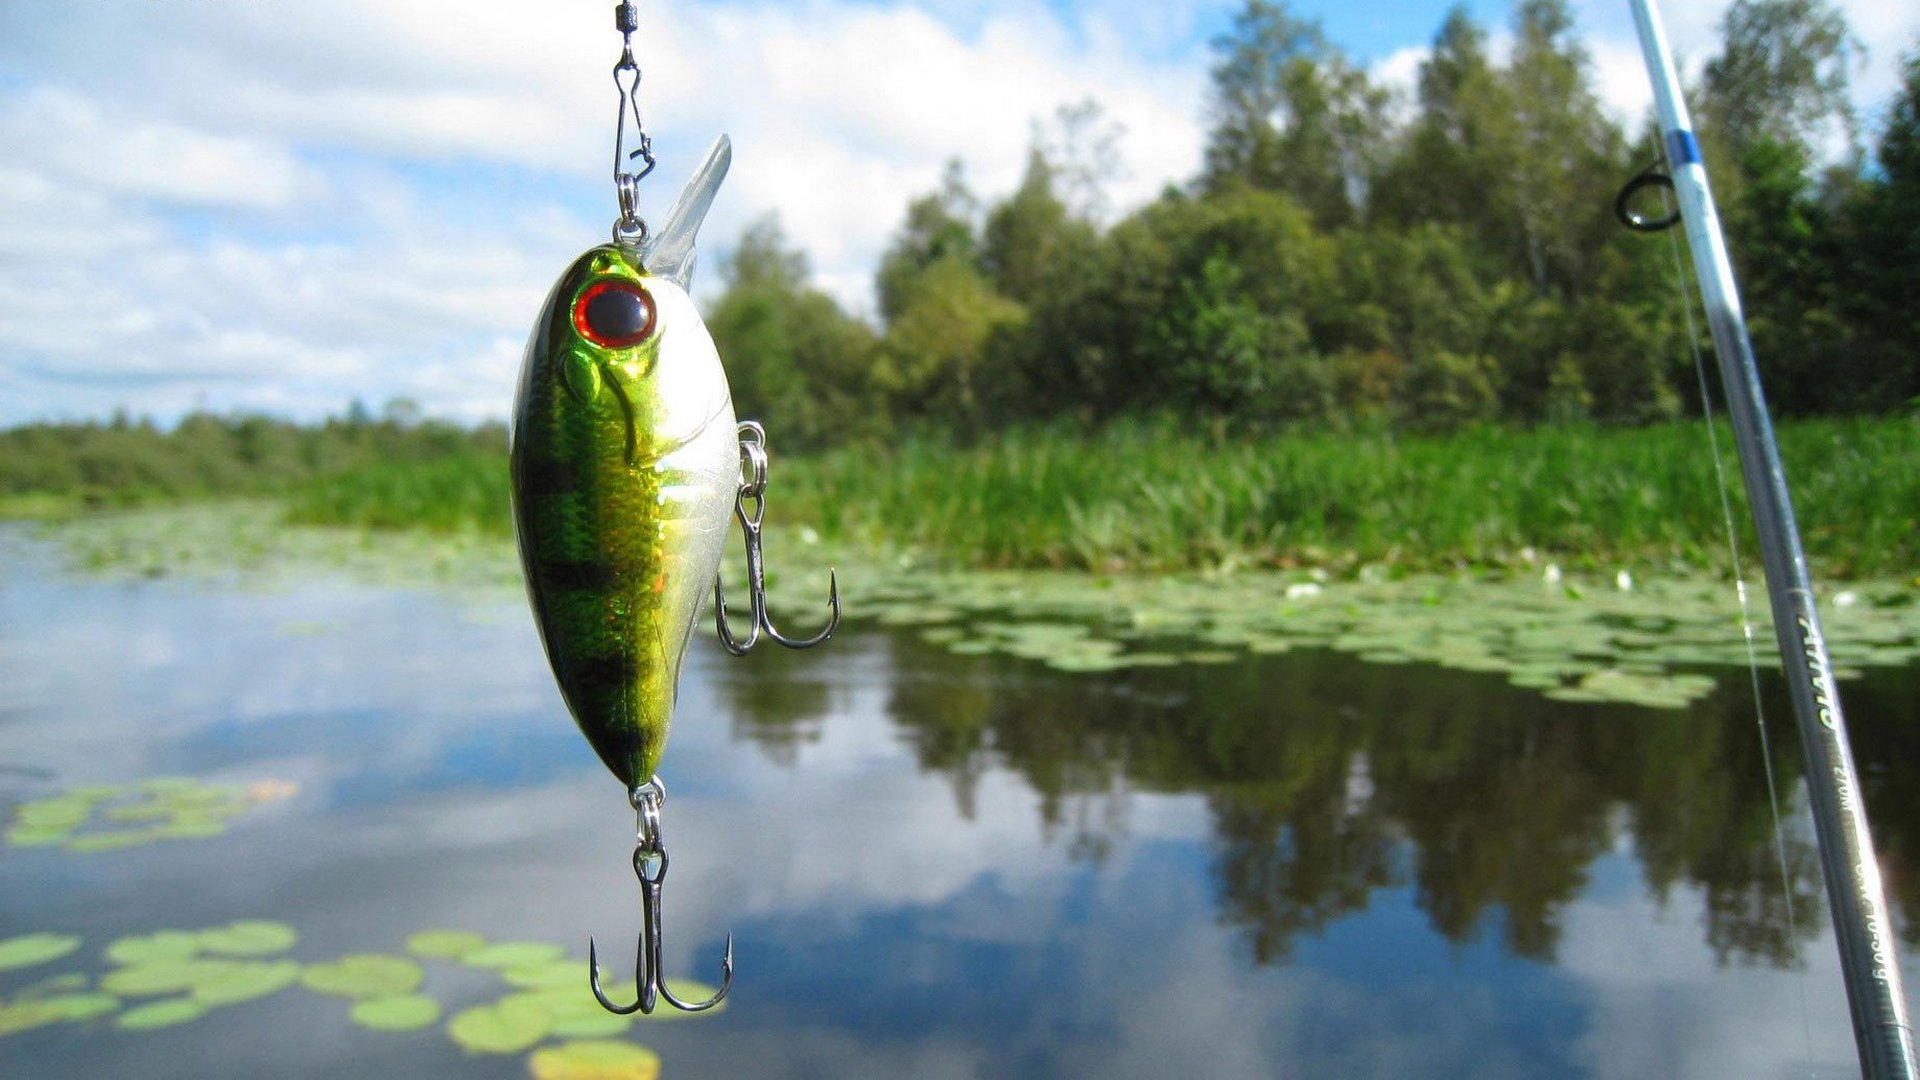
x=626 y=468
x=626 y=463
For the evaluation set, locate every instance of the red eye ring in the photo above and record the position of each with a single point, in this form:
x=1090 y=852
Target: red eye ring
x=614 y=313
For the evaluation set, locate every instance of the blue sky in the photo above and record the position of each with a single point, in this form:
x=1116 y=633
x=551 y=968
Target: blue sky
x=261 y=204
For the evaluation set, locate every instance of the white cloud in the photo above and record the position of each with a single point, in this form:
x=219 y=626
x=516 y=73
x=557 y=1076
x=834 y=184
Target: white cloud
x=1399 y=72
x=70 y=140
x=840 y=114
x=1647 y=975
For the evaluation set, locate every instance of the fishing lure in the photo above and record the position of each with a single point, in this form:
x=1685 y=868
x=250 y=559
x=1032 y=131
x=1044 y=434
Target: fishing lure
x=626 y=460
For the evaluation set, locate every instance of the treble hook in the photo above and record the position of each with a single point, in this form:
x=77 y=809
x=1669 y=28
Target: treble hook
x=753 y=485
x=650 y=866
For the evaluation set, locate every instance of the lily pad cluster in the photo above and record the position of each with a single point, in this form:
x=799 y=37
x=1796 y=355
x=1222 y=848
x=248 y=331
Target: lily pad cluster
x=157 y=980
x=252 y=544
x=109 y=817
x=544 y=999
x=1603 y=641
x=176 y=976
x=1598 y=639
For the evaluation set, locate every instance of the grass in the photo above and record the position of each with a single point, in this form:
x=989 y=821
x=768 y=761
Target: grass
x=448 y=494
x=1157 y=497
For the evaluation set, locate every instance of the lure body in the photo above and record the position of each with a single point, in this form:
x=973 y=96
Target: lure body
x=625 y=466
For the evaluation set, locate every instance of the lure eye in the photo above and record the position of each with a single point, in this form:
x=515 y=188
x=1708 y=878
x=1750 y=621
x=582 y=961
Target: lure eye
x=614 y=314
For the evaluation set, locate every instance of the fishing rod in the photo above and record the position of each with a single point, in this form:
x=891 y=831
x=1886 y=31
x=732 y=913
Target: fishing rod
x=1869 y=961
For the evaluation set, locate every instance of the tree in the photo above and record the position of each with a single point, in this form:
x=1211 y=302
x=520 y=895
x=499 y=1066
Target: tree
x=1522 y=158
x=1778 y=82
x=1033 y=238
x=944 y=354
x=1292 y=114
x=1449 y=169
x=1880 y=275
x=939 y=226
x=1781 y=75
x=1565 y=155
x=1080 y=148
x=795 y=361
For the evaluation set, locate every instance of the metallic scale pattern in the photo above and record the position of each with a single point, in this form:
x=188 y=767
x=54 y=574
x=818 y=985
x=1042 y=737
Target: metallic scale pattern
x=625 y=466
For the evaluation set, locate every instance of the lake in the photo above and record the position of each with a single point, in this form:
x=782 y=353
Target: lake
x=933 y=864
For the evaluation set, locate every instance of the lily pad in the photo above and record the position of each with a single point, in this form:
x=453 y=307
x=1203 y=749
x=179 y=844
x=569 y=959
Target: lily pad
x=513 y=954
x=574 y=1011
x=1209 y=656
x=445 y=944
x=596 y=1023
x=74 y=1008
x=188 y=830
x=549 y=973
x=141 y=811
x=249 y=937
x=70 y=1008
x=245 y=981
x=60 y=812
x=397 y=1012
x=160 y=1014
x=506 y=1027
x=32 y=950
x=594 y=1059
x=364 y=976
x=165 y=976
x=165 y=945
x=70 y=982
x=25 y=1016
x=93 y=843
x=36 y=836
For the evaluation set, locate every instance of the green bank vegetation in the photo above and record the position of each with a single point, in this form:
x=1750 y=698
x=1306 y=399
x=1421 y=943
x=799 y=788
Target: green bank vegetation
x=1156 y=496
x=1145 y=495
x=55 y=469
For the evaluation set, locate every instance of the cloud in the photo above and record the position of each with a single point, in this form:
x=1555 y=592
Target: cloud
x=842 y=113
x=1647 y=975
x=69 y=140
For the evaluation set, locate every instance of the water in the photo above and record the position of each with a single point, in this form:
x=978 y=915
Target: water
x=933 y=865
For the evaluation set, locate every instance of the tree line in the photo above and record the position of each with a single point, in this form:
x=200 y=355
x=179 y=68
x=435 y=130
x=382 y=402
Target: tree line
x=1347 y=259
x=125 y=460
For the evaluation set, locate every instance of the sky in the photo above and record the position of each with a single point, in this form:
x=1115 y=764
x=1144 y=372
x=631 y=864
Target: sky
x=281 y=207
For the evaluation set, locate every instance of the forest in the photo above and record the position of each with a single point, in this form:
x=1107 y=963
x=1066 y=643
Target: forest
x=1349 y=259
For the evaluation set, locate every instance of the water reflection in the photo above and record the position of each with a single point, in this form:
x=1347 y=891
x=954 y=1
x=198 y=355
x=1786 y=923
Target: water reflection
x=1492 y=803
x=940 y=865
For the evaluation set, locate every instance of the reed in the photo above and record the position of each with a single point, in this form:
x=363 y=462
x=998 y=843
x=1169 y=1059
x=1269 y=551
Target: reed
x=466 y=491
x=1157 y=496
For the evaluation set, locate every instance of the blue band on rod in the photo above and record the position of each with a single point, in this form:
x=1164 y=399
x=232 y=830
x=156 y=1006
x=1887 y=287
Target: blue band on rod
x=1682 y=149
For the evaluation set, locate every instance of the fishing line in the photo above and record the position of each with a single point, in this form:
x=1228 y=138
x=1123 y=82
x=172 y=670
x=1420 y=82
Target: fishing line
x=1746 y=609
